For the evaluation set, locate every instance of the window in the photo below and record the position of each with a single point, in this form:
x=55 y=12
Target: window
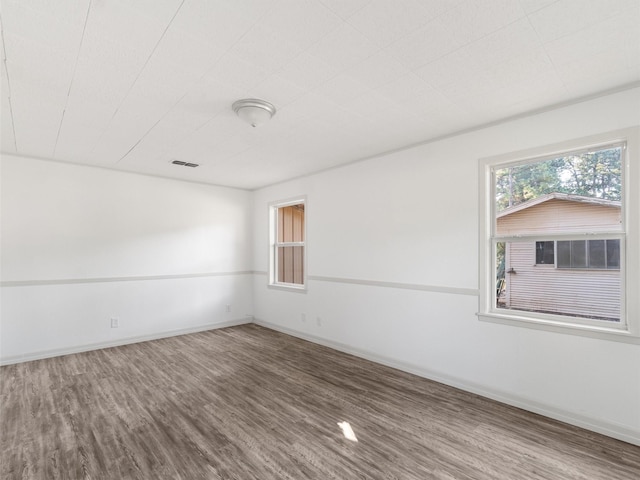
x=288 y=244
x=545 y=253
x=589 y=254
x=555 y=230
x=580 y=253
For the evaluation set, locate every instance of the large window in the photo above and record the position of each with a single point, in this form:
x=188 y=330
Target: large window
x=555 y=235
x=288 y=244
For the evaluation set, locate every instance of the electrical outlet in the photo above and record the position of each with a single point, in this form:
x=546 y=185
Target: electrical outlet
x=303 y=318
x=228 y=308
x=115 y=322
x=318 y=321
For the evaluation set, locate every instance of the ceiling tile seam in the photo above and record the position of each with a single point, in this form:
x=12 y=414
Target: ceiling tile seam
x=438 y=138
x=73 y=76
x=350 y=15
x=135 y=80
x=305 y=50
x=320 y=85
x=439 y=89
x=6 y=69
x=600 y=20
x=542 y=7
x=408 y=32
x=186 y=93
x=340 y=71
x=414 y=70
x=493 y=32
x=544 y=48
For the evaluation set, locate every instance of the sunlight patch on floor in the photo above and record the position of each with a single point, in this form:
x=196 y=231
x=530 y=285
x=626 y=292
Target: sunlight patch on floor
x=347 y=431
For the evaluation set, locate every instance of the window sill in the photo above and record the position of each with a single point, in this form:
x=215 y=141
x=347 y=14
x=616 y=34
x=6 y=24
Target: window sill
x=288 y=287
x=603 y=333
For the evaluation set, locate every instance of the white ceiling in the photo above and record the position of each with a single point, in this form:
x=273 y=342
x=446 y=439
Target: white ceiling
x=134 y=84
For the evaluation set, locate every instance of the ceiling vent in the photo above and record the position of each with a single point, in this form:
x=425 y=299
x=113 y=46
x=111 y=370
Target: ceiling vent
x=185 y=164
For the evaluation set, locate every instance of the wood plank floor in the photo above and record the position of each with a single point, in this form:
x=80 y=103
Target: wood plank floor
x=250 y=403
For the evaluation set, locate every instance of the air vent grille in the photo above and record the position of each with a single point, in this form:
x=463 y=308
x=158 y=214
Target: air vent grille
x=185 y=164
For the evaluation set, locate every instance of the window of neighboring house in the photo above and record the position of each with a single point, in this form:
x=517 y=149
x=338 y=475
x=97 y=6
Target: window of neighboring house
x=575 y=209
x=287 y=254
x=545 y=253
x=580 y=253
x=603 y=254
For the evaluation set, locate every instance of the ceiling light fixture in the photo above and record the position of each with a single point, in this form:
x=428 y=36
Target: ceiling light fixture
x=253 y=111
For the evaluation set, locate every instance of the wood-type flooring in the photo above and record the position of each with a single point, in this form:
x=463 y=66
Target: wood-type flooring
x=250 y=403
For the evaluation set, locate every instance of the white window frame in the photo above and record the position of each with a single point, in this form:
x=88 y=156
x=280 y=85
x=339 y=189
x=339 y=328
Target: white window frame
x=628 y=328
x=274 y=244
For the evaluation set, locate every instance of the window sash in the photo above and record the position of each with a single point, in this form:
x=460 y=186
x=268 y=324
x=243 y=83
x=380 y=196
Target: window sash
x=287 y=258
x=556 y=318
x=526 y=160
x=493 y=168
x=289 y=261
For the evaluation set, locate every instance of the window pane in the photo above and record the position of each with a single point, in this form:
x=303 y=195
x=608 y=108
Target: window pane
x=578 y=254
x=613 y=254
x=500 y=273
x=291 y=223
x=578 y=192
x=544 y=253
x=290 y=265
x=586 y=293
x=595 y=174
x=564 y=254
x=597 y=257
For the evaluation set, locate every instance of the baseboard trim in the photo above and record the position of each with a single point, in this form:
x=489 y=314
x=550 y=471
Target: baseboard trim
x=605 y=428
x=121 y=341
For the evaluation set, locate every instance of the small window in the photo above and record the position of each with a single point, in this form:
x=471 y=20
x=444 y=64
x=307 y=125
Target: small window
x=545 y=253
x=288 y=244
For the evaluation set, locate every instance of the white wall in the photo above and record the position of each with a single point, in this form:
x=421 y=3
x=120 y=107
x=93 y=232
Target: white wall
x=411 y=218
x=81 y=245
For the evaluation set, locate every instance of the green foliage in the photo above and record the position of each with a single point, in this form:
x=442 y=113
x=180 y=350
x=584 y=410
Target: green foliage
x=591 y=174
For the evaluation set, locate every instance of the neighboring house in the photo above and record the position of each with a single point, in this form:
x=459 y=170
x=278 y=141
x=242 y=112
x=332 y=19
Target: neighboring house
x=567 y=277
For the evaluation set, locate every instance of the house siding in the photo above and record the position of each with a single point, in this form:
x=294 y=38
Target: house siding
x=560 y=216
x=545 y=288
x=585 y=292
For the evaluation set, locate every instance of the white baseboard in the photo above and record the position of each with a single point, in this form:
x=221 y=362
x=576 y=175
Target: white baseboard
x=121 y=341
x=611 y=430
